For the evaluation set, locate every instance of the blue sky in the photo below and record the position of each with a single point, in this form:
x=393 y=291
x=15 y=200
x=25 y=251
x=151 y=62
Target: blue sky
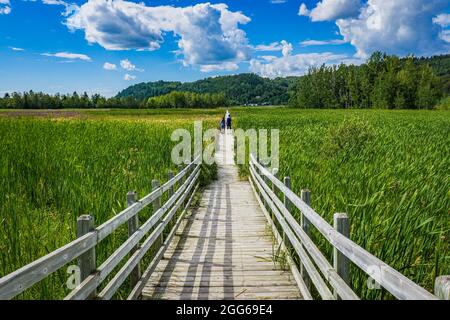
x=102 y=46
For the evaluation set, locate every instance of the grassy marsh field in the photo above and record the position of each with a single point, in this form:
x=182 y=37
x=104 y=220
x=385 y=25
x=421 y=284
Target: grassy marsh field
x=389 y=170
x=56 y=166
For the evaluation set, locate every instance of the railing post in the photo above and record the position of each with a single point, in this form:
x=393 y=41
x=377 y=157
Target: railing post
x=157 y=203
x=305 y=195
x=133 y=225
x=442 y=287
x=170 y=177
x=180 y=182
x=275 y=174
x=171 y=191
x=264 y=179
x=340 y=262
x=87 y=261
x=286 y=201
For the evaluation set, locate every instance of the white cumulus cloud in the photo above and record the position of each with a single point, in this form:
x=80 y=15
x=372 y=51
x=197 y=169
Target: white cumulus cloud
x=226 y=66
x=308 y=43
x=55 y=2
x=442 y=19
x=303 y=10
x=274 y=46
x=292 y=64
x=109 y=66
x=445 y=35
x=129 y=77
x=327 y=10
x=68 y=55
x=5 y=7
x=208 y=34
x=127 y=65
x=69 y=8
x=397 y=27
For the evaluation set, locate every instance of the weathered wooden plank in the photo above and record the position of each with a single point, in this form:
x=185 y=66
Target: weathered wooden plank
x=23 y=278
x=231 y=254
x=392 y=280
x=442 y=287
x=281 y=240
x=87 y=261
x=315 y=276
x=223 y=272
x=112 y=224
x=137 y=290
x=243 y=296
x=81 y=291
x=18 y=281
x=169 y=184
x=258 y=234
x=222 y=248
x=216 y=280
x=126 y=269
x=305 y=195
x=225 y=280
x=340 y=262
x=231 y=293
x=237 y=242
x=204 y=217
x=331 y=275
x=218 y=290
x=133 y=225
x=182 y=265
x=226 y=234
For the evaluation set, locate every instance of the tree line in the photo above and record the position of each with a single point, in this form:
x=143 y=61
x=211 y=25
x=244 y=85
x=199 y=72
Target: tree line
x=177 y=99
x=240 y=89
x=40 y=100
x=383 y=82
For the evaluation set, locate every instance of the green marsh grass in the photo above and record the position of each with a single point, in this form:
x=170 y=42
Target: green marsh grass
x=389 y=170
x=54 y=170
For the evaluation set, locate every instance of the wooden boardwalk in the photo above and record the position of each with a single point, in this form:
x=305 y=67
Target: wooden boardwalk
x=224 y=248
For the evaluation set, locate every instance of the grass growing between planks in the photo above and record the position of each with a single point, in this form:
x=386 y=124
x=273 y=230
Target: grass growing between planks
x=56 y=169
x=389 y=170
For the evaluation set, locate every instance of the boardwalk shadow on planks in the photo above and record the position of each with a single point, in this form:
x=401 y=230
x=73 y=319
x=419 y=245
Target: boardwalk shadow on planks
x=202 y=269
x=223 y=249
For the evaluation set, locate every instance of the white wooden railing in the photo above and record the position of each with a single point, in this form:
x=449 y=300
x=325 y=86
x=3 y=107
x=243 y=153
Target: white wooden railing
x=135 y=247
x=330 y=281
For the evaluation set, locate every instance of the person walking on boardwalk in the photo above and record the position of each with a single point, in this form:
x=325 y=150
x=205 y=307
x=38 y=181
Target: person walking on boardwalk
x=229 y=122
x=222 y=125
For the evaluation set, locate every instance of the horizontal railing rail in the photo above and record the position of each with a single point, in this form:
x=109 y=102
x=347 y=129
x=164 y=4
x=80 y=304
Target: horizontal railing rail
x=83 y=248
x=331 y=282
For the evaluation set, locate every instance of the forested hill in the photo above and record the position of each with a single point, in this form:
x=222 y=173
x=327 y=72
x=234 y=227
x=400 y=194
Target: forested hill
x=240 y=89
x=441 y=67
x=247 y=88
x=439 y=64
x=381 y=82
